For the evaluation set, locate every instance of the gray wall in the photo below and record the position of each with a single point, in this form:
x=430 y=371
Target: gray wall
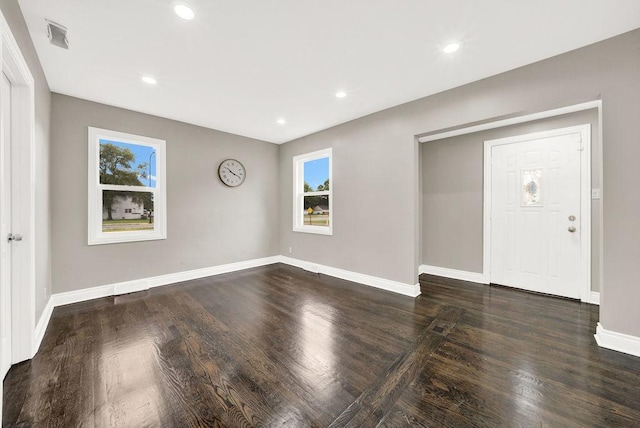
x=13 y=15
x=374 y=190
x=375 y=164
x=452 y=188
x=208 y=223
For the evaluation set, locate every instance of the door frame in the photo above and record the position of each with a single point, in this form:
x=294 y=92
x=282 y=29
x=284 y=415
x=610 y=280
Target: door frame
x=585 y=199
x=23 y=304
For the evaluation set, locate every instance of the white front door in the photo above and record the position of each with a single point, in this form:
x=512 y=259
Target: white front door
x=535 y=213
x=5 y=225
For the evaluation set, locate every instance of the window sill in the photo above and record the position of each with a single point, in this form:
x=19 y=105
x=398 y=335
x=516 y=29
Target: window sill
x=113 y=238
x=317 y=230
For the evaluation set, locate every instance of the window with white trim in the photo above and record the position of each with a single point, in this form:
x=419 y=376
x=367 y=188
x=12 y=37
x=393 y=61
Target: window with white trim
x=312 y=200
x=127 y=197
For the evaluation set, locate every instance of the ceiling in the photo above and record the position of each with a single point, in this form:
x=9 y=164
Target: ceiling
x=239 y=66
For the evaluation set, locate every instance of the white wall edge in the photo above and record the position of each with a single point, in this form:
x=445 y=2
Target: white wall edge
x=512 y=121
x=617 y=341
x=23 y=264
x=60 y=299
x=463 y=275
x=594 y=298
x=69 y=297
x=173 y=278
x=43 y=323
x=411 y=290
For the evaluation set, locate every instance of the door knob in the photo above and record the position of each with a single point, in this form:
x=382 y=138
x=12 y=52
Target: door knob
x=572 y=229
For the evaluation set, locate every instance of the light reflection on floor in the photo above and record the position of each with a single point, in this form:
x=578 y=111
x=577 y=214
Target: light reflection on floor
x=318 y=345
x=130 y=385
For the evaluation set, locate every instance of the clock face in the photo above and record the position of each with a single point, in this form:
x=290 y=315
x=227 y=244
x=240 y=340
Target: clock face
x=232 y=172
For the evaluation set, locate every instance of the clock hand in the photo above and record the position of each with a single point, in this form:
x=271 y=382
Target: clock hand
x=233 y=173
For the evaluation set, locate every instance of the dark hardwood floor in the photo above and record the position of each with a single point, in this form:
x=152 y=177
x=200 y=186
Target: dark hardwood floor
x=278 y=346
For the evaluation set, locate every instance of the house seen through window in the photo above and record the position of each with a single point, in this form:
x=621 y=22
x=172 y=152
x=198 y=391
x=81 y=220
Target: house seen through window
x=125 y=164
x=313 y=197
x=129 y=171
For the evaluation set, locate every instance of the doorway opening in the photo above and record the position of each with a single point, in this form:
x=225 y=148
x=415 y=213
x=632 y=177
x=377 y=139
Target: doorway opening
x=453 y=240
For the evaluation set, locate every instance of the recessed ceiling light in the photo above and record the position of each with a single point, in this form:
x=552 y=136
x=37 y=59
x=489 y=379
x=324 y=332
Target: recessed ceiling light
x=451 y=48
x=281 y=121
x=184 y=11
x=341 y=94
x=150 y=80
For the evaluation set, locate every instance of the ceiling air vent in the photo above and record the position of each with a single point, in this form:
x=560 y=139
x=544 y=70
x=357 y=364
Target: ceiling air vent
x=57 y=34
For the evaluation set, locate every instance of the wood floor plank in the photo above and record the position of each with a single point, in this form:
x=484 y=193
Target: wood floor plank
x=278 y=346
x=377 y=400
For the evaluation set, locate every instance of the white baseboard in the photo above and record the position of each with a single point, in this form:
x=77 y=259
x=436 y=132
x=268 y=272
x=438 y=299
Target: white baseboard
x=593 y=298
x=173 y=278
x=43 y=323
x=126 y=287
x=606 y=339
x=479 y=278
x=617 y=341
x=411 y=290
x=61 y=299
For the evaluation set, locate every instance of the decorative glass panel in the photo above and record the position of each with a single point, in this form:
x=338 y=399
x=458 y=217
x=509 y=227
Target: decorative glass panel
x=316 y=211
x=127 y=211
x=127 y=164
x=316 y=175
x=531 y=187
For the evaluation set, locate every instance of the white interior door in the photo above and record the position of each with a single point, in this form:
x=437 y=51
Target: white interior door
x=5 y=225
x=535 y=214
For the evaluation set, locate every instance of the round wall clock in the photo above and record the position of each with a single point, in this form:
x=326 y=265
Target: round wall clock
x=232 y=172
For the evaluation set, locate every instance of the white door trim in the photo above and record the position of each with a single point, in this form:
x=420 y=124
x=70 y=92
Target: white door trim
x=585 y=200
x=440 y=135
x=23 y=199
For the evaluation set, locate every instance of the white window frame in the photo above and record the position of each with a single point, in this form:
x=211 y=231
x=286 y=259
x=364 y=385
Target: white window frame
x=95 y=234
x=299 y=194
